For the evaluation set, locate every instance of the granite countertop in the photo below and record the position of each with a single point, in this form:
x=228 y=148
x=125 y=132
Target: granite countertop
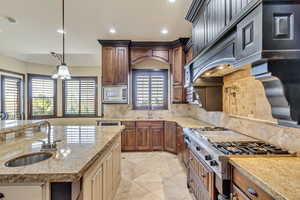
x=184 y=122
x=278 y=176
x=79 y=148
x=8 y=126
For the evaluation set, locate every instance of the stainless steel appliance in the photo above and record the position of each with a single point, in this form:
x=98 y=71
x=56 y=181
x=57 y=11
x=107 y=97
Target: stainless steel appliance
x=213 y=145
x=108 y=123
x=115 y=94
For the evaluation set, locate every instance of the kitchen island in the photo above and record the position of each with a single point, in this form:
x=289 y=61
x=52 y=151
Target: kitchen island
x=278 y=177
x=82 y=153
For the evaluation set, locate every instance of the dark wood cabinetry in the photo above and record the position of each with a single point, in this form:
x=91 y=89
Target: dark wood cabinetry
x=152 y=136
x=178 y=74
x=170 y=137
x=244 y=189
x=157 y=136
x=143 y=136
x=211 y=98
x=115 y=65
x=201 y=179
x=128 y=139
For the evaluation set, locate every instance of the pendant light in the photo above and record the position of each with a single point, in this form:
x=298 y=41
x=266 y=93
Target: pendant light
x=62 y=69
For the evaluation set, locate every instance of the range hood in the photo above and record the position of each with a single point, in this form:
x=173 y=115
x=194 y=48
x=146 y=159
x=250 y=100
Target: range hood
x=263 y=34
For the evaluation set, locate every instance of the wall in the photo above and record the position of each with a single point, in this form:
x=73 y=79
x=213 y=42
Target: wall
x=245 y=97
x=14 y=65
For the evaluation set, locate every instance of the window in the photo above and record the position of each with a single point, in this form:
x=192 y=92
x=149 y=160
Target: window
x=11 y=97
x=150 y=89
x=42 y=96
x=80 y=96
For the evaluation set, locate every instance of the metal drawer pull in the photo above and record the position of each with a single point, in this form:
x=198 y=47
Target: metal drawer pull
x=252 y=191
x=2 y=196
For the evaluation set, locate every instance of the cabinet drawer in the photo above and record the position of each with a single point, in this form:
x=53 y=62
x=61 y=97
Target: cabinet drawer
x=143 y=124
x=237 y=194
x=129 y=124
x=249 y=188
x=157 y=124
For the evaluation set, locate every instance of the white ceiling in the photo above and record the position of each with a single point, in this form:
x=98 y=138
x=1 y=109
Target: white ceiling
x=34 y=35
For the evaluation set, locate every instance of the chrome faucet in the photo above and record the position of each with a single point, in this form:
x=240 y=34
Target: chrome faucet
x=48 y=146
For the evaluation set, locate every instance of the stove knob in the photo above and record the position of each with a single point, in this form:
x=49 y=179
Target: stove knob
x=213 y=163
x=207 y=157
x=198 y=148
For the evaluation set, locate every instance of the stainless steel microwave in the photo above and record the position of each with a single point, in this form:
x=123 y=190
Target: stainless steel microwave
x=115 y=94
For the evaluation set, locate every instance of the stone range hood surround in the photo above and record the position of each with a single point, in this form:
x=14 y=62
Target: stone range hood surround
x=264 y=33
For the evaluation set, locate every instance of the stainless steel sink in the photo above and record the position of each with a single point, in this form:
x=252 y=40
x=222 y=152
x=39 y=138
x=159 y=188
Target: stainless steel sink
x=28 y=159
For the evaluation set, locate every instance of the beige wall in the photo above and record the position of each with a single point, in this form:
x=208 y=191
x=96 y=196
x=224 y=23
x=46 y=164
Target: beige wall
x=245 y=97
x=14 y=65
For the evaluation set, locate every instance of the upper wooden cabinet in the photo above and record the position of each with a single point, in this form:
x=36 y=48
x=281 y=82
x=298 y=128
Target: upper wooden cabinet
x=115 y=65
x=177 y=65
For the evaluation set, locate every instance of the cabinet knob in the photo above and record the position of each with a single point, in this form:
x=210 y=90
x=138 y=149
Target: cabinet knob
x=2 y=196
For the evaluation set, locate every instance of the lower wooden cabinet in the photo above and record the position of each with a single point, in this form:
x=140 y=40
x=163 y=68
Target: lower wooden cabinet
x=129 y=140
x=143 y=139
x=152 y=136
x=201 y=179
x=244 y=189
x=156 y=135
x=21 y=192
x=170 y=137
x=102 y=179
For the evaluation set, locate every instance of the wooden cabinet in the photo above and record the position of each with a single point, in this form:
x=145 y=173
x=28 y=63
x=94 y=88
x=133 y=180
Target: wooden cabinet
x=157 y=136
x=108 y=177
x=177 y=67
x=128 y=140
x=143 y=139
x=179 y=94
x=101 y=180
x=211 y=98
x=21 y=192
x=116 y=155
x=201 y=179
x=115 y=65
x=170 y=137
x=244 y=189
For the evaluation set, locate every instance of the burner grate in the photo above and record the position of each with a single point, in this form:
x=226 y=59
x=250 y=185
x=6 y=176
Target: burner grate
x=248 y=148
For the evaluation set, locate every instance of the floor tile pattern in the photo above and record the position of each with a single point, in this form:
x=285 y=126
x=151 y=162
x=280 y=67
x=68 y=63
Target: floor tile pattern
x=152 y=176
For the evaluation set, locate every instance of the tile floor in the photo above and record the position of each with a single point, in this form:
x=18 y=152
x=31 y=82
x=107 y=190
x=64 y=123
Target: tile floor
x=152 y=176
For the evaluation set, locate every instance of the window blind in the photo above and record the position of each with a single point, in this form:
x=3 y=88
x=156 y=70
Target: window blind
x=80 y=96
x=11 y=97
x=42 y=91
x=150 y=89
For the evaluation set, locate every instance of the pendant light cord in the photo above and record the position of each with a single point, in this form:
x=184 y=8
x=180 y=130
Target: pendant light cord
x=63 y=28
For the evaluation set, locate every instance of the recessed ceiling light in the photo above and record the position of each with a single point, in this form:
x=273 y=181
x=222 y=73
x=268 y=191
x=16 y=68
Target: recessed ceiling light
x=112 y=30
x=61 y=31
x=172 y=1
x=164 y=31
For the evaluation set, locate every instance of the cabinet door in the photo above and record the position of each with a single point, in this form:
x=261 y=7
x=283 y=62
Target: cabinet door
x=116 y=167
x=170 y=137
x=93 y=183
x=121 y=66
x=34 y=192
x=143 y=138
x=178 y=94
x=108 y=177
x=129 y=139
x=177 y=68
x=108 y=65
x=156 y=135
x=237 y=194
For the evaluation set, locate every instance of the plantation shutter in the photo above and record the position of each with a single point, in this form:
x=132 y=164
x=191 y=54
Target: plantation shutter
x=80 y=96
x=43 y=96
x=150 y=89
x=11 y=97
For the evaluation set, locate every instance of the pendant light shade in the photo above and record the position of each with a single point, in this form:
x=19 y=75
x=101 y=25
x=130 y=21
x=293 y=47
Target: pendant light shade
x=62 y=72
x=62 y=69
